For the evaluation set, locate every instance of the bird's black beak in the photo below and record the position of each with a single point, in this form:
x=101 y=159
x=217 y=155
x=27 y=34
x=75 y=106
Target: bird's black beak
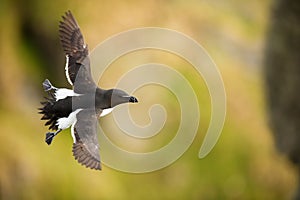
x=133 y=99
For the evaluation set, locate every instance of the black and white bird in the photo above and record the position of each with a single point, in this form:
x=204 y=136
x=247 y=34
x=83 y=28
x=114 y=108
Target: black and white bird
x=81 y=107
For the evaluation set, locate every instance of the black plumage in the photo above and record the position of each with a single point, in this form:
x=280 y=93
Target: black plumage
x=80 y=107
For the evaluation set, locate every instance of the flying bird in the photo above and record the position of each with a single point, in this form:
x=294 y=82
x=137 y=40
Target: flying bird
x=81 y=106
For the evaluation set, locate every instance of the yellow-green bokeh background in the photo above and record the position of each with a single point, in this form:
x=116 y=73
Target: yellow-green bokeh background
x=243 y=165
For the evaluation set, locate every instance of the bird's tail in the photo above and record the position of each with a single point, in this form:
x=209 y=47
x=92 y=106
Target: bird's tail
x=47 y=107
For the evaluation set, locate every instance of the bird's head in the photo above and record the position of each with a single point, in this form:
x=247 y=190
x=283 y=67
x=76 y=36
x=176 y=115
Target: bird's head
x=119 y=97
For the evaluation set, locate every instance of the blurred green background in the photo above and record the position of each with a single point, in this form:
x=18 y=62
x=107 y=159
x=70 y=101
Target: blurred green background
x=243 y=165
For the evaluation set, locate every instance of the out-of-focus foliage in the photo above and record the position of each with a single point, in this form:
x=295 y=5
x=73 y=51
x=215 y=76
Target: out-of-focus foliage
x=282 y=79
x=244 y=163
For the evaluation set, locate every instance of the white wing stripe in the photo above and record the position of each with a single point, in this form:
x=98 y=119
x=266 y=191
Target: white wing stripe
x=72 y=132
x=67 y=70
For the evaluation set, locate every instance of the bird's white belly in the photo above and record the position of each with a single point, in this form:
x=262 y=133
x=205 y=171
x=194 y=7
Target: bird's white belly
x=66 y=122
x=106 y=112
x=62 y=93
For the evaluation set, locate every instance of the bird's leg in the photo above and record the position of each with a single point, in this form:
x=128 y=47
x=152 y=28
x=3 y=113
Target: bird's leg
x=50 y=136
x=48 y=86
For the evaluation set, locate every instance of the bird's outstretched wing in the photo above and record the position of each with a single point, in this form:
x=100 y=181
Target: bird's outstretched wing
x=77 y=68
x=86 y=146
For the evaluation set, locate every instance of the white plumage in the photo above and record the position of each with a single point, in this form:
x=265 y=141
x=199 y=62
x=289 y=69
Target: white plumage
x=67 y=70
x=66 y=122
x=62 y=93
